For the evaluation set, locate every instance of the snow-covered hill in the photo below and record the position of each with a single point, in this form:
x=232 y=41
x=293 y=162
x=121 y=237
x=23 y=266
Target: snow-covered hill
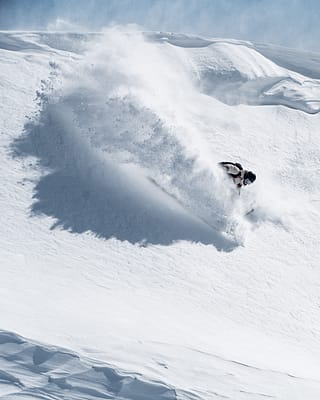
x=121 y=240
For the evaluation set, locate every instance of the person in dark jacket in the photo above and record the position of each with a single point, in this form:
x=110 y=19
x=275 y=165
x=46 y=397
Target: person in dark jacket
x=241 y=177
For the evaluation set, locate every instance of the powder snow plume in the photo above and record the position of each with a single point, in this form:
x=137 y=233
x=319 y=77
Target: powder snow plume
x=133 y=104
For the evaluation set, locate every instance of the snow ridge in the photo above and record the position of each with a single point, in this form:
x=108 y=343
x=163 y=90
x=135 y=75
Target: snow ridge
x=30 y=370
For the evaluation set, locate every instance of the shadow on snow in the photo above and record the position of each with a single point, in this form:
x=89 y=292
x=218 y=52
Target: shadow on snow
x=86 y=192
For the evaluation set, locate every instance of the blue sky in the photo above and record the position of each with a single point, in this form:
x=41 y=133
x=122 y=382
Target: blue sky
x=294 y=23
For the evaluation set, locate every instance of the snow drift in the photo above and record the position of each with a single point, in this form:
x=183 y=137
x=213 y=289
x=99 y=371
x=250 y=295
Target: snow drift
x=31 y=370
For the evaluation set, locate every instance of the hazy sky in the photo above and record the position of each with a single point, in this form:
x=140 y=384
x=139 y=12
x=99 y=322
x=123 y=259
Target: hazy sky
x=294 y=23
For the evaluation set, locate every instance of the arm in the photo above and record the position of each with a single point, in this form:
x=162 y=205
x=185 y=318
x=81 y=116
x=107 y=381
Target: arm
x=231 y=168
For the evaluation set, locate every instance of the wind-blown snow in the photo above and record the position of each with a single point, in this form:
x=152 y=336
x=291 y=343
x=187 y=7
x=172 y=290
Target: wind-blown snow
x=123 y=241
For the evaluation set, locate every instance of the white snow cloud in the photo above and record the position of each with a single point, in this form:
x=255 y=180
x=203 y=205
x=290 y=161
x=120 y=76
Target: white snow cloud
x=291 y=23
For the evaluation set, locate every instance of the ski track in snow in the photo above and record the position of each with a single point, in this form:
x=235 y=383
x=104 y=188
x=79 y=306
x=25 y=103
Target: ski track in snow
x=123 y=240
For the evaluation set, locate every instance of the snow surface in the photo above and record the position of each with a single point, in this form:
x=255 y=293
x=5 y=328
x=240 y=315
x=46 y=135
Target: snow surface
x=126 y=256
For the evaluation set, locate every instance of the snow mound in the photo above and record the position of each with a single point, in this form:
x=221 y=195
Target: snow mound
x=30 y=370
x=236 y=73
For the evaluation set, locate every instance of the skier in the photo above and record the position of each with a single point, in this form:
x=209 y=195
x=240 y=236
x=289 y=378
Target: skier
x=240 y=176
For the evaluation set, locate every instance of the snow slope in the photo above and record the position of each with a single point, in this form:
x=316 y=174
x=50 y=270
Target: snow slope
x=122 y=241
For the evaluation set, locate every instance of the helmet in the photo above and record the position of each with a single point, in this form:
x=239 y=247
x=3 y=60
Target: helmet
x=249 y=177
